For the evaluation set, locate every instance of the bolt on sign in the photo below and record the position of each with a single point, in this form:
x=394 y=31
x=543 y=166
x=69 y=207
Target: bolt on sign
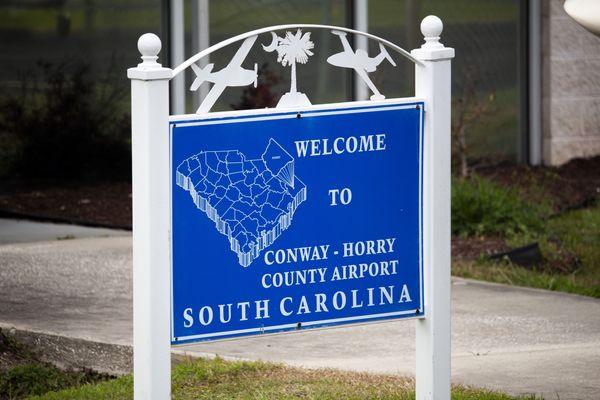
x=297 y=217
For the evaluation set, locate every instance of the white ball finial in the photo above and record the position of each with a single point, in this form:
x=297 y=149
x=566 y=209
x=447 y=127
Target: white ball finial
x=431 y=28
x=149 y=45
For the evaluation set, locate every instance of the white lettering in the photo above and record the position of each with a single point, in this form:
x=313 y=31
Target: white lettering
x=367 y=247
x=267 y=260
x=355 y=299
x=352 y=145
x=339 y=300
x=222 y=313
x=405 y=296
x=243 y=307
x=320 y=298
x=341 y=145
x=282 y=309
x=262 y=309
x=264 y=281
x=371 y=303
x=205 y=316
x=380 y=142
x=389 y=296
x=302 y=147
x=189 y=320
x=303 y=308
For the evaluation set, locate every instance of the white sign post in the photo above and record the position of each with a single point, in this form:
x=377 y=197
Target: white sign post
x=152 y=184
x=433 y=83
x=151 y=223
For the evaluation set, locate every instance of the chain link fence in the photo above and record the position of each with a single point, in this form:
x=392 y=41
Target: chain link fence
x=44 y=41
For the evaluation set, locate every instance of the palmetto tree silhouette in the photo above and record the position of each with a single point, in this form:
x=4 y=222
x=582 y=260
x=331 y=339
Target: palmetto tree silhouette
x=292 y=49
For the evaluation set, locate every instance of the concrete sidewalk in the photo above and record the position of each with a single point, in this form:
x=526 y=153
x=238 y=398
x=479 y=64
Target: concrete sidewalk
x=513 y=339
x=22 y=231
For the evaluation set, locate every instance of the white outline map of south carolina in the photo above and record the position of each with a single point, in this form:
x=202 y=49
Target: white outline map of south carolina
x=250 y=201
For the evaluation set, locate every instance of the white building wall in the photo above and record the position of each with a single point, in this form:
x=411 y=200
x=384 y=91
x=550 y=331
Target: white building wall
x=570 y=87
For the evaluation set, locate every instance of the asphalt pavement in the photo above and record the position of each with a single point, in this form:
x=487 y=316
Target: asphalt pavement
x=517 y=340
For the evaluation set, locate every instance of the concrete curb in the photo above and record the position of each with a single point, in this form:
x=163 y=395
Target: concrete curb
x=65 y=352
x=74 y=353
x=9 y=214
x=505 y=286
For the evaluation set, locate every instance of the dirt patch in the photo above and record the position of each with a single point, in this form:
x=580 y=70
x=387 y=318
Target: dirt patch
x=100 y=204
x=471 y=248
x=562 y=260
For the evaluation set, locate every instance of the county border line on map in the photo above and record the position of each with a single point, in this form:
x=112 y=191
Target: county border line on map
x=250 y=201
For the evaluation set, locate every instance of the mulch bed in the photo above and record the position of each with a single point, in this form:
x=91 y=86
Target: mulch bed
x=573 y=185
x=99 y=204
x=570 y=186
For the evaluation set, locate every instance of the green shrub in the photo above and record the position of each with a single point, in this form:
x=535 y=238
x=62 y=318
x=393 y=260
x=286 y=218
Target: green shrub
x=482 y=207
x=73 y=124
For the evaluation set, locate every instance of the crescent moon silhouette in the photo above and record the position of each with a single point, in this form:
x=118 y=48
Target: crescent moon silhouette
x=273 y=44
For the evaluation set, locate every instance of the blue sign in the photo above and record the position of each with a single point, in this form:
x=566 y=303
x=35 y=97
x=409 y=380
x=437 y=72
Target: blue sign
x=284 y=220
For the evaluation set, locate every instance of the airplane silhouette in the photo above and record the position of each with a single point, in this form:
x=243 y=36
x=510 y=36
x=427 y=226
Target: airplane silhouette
x=232 y=75
x=360 y=61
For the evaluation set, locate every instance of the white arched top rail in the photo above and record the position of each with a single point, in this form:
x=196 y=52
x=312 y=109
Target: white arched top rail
x=181 y=67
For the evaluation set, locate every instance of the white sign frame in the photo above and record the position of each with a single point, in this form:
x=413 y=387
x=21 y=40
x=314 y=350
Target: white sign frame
x=151 y=209
x=227 y=117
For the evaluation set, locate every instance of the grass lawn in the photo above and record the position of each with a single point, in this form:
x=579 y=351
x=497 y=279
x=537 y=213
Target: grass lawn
x=569 y=241
x=218 y=379
x=24 y=375
x=577 y=232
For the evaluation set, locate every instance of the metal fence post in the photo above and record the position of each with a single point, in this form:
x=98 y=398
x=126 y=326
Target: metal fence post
x=151 y=226
x=433 y=83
